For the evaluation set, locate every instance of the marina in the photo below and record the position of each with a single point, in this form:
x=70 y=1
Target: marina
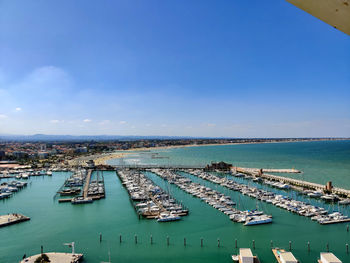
x=318 y=214
x=204 y=234
x=148 y=199
x=214 y=198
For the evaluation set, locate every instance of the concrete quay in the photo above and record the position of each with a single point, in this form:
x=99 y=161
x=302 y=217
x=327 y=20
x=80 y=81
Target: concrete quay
x=294 y=182
x=11 y=219
x=56 y=257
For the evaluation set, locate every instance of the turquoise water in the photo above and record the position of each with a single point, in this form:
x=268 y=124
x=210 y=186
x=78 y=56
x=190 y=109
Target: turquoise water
x=53 y=224
x=320 y=161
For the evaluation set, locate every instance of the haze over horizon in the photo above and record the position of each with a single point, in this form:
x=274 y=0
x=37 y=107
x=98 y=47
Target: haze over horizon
x=184 y=68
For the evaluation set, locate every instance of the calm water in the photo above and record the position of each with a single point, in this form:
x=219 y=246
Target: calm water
x=53 y=224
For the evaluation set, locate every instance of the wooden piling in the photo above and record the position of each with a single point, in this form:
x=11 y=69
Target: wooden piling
x=327 y=246
x=201 y=242
x=253 y=244
x=135 y=239
x=120 y=238
x=271 y=243
x=235 y=243
x=167 y=240
x=218 y=242
x=184 y=241
x=347 y=248
x=308 y=246
x=100 y=237
x=151 y=240
x=290 y=245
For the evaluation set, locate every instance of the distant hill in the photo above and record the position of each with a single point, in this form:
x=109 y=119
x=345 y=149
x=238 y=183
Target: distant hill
x=45 y=137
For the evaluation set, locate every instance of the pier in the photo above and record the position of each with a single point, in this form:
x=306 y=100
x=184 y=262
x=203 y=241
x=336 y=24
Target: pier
x=56 y=257
x=295 y=182
x=10 y=219
x=87 y=183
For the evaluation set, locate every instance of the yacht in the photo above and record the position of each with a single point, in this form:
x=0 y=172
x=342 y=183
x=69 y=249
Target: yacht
x=165 y=217
x=258 y=220
x=81 y=200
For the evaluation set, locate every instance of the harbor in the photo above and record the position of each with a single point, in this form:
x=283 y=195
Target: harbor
x=206 y=232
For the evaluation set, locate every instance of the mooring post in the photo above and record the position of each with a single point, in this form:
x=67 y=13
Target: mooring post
x=120 y=238
x=308 y=246
x=347 y=248
x=327 y=247
x=167 y=240
x=100 y=237
x=135 y=239
x=271 y=243
x=235 y=243
x=218 y=242
x=184 y=241
x=151 y=240
x=253 y=244
x=290 y=245
x=202 y=242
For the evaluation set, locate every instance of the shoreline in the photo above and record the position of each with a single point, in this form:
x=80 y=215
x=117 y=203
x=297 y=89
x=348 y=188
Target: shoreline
x=102 y=160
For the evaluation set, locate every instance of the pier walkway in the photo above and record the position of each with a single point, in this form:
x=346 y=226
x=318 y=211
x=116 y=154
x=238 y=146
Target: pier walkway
x=57 y=258
x=288 y=180
x=87 y=183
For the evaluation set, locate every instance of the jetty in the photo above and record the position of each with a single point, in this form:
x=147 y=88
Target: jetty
x=56 y=257
x=11 y=219
x=283 y=256
x=287 y=180
x=87 y=183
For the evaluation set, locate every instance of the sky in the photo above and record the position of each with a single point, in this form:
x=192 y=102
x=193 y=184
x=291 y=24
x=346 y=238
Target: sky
x=225 y=68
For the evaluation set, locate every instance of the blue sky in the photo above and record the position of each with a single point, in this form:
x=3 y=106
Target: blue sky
x=187 y=67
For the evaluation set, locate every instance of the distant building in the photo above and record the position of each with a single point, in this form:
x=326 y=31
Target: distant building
x=329 y=186
x=81 y=150
x=2 y=155
x=20 y=154
x=43 y=155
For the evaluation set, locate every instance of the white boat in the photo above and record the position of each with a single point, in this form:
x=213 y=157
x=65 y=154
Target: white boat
x=164 y=217
x=258 y=220
x=81 y=200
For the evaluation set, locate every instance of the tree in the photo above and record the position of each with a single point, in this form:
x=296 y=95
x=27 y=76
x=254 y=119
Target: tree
x=42 y=259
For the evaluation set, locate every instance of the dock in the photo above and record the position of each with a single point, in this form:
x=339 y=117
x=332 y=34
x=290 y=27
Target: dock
x=87 y=183
x=56 y=257
x=295 y=182
x=335 y=221
x=10 y=219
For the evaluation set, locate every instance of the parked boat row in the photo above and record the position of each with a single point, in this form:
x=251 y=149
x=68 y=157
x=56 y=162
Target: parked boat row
x=24 y=173
x=308 y=192
x=8 y=188
x=96 y=189
x=214 y=198
x=319 y=214
x=150 y=200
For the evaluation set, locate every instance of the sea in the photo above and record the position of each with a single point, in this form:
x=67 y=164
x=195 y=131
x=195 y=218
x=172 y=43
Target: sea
x=52 y=224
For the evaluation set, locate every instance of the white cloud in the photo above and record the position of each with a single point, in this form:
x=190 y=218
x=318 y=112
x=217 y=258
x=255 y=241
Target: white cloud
x=55 y=121
x=18 y=109
x=87 y=120
x=3 y=116
x=122 y=122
